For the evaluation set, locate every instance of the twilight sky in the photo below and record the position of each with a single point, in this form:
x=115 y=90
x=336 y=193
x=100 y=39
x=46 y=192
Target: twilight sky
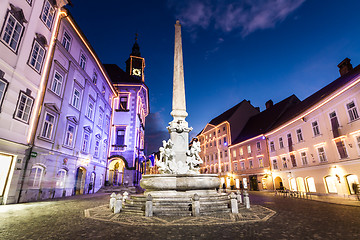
x=233 y=49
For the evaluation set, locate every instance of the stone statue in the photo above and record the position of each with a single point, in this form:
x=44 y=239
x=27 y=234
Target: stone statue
x=193 y=158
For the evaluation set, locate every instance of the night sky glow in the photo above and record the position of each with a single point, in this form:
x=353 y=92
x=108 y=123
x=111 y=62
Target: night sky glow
x=233 y=50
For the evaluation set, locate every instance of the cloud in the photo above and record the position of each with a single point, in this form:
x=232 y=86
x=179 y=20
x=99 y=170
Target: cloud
x=246 y=16
x=155 y=132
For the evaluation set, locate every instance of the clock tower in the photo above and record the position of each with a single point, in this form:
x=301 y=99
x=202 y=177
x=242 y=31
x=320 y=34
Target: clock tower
x=135 y=64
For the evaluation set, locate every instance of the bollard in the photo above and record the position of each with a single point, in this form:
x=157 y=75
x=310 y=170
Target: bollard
x=233 y=203
x=238 y=196
x=246 y=199
x=125 y=196
x=118 y=203
x=195 y=205
x=112 y=201
x=149 y=206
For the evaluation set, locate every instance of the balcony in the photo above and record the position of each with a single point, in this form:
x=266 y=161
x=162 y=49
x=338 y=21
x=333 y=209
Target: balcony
x=118 y=148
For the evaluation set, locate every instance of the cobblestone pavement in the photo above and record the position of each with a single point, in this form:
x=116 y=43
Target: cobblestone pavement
x=65 y=219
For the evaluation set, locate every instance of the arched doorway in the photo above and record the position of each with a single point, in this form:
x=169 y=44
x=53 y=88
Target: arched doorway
x=91 y=188
x=278 y=183
x=352 y=182
x=116 y=171
x=80 y=180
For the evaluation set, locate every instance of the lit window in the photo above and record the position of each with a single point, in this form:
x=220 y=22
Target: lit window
x=66 y=41
x=225 y=141
x=304 y=158
x=249 y=149
x=35 y=177
x=37 y=56
x=82 y=61
x=48 y=126
x=330 y=182
x=352 y=111
x=272 y=146
x=47 y=14
x=261 y=163
x=311 y=184
x=57 y=83
x=299 y=135
x=315 y=127
x=12 y=32
x=242 y=165
x=281 y=143
x=61 y=179
x=76 y=99
x=241 y=151
x=321 y=153
x=123 y=103
x=24 y=107
x=251 y=164
x=85 y=144
x=234 y=153
x=69 y=135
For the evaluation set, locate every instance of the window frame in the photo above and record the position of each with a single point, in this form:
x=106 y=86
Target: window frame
x=323 y=155
x=57 y=83
x=88 y=109
x=51 y=10
x=354 y=109
x=35 y=59
x=22 y=93
x=71 y=145
x=317 y=127
x=2 y=95
x=299 y=135
x=304 y=157
x=73 y=95
x=85 y=147
x=52 y=125
x=82 y=60
x=66 y=42
x=281 y=142
x=37 y=178
x=8 y=44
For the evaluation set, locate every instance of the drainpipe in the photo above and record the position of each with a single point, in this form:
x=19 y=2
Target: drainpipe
x=31 y=141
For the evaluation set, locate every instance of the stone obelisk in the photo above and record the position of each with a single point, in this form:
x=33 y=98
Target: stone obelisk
x=178 y=129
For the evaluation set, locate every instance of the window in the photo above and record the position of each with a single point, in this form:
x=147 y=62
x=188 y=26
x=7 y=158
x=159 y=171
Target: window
x=289 y=139
x=235 y=166
x=352 y=111
x=76 y=98
x=272 y=146
x=57 y=83
x=216 y=156
x=249 y=149
x=97 y=147
x=85 y=143
x=101 y=120
x=225 y=143
x=311 y=184
x=47 y=14
x=103 y=91
x=61 y=178
x=123 y=103
x=330 y=182
x=105 y=149
x=82 y=61
x=90 y=108
x=37 y=56
x=66 y=41
x=120 y=137
x=107 y=123
x=226 y=153
x=214 y=143
x=275 y=166
x=94 y=78
x=261 y=163
x=224 y=129
x=258 y=146
x=35 y=177
x=281 y=143
x=315 y=127
x=299 y=135
x=219 y=141
x=234 y=153
x=284 y=162
x=358 y=141
x=12 y=32
x=218 y=130
x=3 y=87
x=242 y=165
x=48 y=126
x=210 y=144
x=334 y=124
x=293 y=160
x=241 y=151
x=23 y=108
x=251 y=164
x=221 y=155
x=340 y=145
x=321 y=152
x=69 y=135
x=304 y=158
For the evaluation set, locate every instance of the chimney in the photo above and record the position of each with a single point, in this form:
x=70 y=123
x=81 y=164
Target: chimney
x=269 y=104
x=345 y=66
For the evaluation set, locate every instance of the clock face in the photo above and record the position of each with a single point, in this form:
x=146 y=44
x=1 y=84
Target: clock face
x=136 y=72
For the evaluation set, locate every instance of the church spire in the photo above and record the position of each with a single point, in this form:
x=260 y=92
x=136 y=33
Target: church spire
x=136 y=48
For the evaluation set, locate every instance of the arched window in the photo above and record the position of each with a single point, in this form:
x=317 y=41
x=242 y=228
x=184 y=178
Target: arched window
x=310 y=183
x=293 y=186
x=36 y=176
x=330 y=182
x=353 y=182
x=61 y=178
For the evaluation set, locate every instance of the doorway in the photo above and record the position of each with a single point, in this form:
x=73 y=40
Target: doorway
x=116 y=172
x=254 y=183
x=279 y=183
x=80 y=181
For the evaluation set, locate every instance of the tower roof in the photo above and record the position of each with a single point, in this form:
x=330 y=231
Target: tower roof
x=136 y=48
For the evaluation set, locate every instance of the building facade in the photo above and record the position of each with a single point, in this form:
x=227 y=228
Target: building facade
x=127 y=159
x=69 y=153
x=23 y=67
x=316 y=148
x=216 y=137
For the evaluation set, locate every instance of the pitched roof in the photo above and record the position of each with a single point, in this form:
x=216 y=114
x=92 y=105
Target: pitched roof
x=225 y=115
x=264 y=120
x=313 y=99
x=118 y=75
